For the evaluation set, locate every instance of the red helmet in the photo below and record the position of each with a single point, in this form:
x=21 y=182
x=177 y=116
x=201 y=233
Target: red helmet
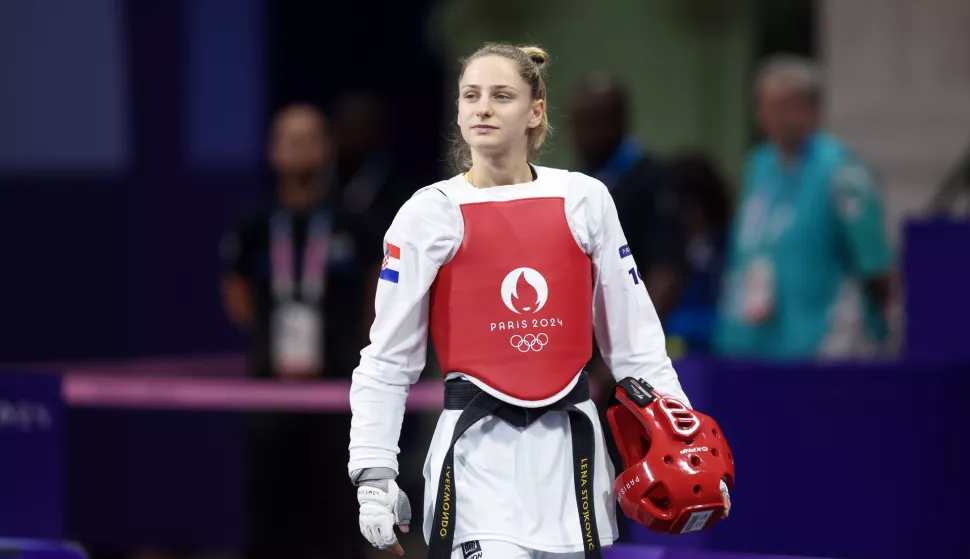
x=674 y=459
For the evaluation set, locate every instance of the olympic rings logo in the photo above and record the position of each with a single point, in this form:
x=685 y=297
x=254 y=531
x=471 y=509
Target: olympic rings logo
x=529 y=342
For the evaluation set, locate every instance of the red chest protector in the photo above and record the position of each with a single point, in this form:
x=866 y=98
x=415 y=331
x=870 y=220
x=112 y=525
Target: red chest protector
x=513 y=308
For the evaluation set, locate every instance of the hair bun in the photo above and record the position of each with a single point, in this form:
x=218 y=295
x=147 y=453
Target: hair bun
x=538 y=56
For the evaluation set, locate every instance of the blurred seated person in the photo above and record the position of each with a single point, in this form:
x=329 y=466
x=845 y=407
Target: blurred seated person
x=707 y=205
x=294 y=284
x=809 y=265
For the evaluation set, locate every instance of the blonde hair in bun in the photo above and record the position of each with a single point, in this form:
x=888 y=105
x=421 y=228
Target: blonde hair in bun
x=537 y=55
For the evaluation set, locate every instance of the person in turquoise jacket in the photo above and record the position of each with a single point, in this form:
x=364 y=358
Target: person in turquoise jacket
x=808 y=266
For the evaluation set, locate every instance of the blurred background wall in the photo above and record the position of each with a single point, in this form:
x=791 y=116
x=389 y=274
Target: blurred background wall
x=137 y=128
x=687 y=64
x=898 y=80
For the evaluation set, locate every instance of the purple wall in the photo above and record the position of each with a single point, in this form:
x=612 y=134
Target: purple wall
x=116 y=256
x=137 y=138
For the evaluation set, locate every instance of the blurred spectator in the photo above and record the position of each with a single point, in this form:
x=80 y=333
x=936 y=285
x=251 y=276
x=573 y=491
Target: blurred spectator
x=647 y=205
x=707 y=208
x=646 y=199
x=294 y=284
x=371 y=187
x=302 y=258
x=809 y=264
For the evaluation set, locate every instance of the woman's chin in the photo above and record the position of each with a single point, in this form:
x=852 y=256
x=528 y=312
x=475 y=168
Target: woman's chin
x=487 y=144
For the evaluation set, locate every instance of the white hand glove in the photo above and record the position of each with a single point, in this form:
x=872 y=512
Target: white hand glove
x=726 y=497
x=382 y=506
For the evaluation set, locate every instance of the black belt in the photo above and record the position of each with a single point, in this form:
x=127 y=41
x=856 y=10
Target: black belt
x=476 y=405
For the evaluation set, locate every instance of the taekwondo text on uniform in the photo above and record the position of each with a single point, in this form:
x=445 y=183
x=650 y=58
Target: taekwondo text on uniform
x=446 y=503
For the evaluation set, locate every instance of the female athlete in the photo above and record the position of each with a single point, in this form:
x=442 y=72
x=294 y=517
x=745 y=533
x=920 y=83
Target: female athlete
x=513 y=268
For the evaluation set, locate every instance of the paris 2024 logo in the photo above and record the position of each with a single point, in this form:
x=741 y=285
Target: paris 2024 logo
x=525 y=292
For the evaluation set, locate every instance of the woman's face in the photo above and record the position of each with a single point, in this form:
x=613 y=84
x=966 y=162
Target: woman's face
x=495 y=106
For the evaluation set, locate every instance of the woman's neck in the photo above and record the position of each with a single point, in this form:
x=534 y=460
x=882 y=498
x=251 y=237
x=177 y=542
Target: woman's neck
x=498 y=171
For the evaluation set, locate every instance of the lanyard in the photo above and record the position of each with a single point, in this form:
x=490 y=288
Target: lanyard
x=359 y=193
x=620 y=163
x=766 y=225
x=772 y=212
x=313 y=282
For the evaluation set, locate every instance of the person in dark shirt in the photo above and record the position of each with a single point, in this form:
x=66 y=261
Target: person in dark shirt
x=647 y=203
x=296 y=266
x=371 y=183
x=294 y=284
x=647 y=199
x=708 y=204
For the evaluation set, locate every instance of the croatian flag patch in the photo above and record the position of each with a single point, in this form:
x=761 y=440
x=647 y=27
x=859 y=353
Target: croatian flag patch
x=391 y=264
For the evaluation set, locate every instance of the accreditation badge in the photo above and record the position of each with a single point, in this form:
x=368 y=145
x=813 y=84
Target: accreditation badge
x=758 y=297
x=297 y=340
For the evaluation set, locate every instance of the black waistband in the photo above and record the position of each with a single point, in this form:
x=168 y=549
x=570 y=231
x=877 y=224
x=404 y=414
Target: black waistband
x=460 y=392
x=477 y=405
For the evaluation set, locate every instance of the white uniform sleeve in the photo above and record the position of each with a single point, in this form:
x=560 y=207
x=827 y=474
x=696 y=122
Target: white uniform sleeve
x=627 y=329
x=426 y=231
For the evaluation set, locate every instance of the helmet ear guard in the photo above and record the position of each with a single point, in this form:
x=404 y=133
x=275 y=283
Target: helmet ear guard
x=674 y=459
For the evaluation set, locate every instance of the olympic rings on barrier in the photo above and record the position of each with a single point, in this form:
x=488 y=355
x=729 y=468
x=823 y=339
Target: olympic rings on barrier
x=529 y=342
